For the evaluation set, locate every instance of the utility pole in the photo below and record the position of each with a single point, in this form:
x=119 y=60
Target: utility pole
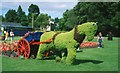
x=32 y=20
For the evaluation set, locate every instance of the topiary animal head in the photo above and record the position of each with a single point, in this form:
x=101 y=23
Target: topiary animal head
x=89 y=29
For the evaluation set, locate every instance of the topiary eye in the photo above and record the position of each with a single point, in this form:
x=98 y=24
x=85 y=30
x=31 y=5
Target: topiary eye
x=93 y=24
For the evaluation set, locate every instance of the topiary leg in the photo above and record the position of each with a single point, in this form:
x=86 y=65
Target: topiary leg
x=39 y=56
x=57 y=59
x=63 y=59
x=40 y=53
x=71 y=55
x=58 y=56
x=64 y=55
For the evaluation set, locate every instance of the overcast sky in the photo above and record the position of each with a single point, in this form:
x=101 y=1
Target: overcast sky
x=53 y=8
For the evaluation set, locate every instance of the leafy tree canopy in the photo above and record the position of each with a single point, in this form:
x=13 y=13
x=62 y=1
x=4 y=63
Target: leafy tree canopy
x=42 y=21
x=105 y=13
x=11 y=16
x=33 y=12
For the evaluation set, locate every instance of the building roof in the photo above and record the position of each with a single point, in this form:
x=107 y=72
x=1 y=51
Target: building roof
x=11 y=24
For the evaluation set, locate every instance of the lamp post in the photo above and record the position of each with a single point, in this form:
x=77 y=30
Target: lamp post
x=33 y=14
x=32 y=20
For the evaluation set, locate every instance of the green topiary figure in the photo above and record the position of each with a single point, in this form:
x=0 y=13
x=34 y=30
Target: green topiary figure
x=65 y=44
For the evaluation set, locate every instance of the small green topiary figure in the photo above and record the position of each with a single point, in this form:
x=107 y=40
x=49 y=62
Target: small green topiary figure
x=65 y=44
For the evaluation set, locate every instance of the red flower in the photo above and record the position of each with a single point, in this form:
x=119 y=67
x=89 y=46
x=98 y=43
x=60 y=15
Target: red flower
x=88 y=44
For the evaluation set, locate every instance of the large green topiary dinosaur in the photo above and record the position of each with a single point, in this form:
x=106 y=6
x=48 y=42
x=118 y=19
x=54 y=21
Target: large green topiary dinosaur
x=65 y=44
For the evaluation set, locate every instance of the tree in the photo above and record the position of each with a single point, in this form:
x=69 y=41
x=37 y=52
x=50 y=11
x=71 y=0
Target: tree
x=56 y=23
x=33 y=10
x=2 y=18
x=0 y=22
x=56 y=20
x=115 y=24
x=21 y=14
x=69 y=20
x=102 y=12
x=11 y=16
x=24 y=20
x=61 y=24
x=42 y=21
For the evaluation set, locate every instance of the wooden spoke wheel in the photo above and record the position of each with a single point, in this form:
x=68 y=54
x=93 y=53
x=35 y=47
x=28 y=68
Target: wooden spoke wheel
x=23 y=48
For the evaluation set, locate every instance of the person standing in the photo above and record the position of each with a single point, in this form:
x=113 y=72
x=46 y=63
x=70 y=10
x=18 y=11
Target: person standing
x=6 y=35
x=100 y=40
x=3 y=35
x=110 y=36
x=11 y=34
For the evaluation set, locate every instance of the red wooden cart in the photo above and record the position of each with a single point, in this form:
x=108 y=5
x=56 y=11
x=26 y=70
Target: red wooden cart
x=29 y=44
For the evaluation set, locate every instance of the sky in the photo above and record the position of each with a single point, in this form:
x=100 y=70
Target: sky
x=53 y=8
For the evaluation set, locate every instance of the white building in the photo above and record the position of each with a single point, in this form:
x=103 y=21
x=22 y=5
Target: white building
x=49 y=27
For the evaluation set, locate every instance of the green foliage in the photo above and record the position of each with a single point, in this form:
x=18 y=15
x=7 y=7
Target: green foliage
x=94 y=59
x=2 y=18
x=105 y=13
x=45 y=47
x=11 y=16
x=22 y=18
x=115 y=20
x=56 y=20
x=19 y=16
x=58 y=59
x=33 y=9
x=20 y=13
x=71 y=56
x=61 y=24
x=25 y=23
x=101 y=12
x=56 y=25
x=69 y=20
x=2 y=33
x=65 y=41
x=42 y=21
x=89 y=29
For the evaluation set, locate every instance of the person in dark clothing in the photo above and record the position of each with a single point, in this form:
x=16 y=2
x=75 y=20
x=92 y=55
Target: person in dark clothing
x=110 y=36
x=100 y=40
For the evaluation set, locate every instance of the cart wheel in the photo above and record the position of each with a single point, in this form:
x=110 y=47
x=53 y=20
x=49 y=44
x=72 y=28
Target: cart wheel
x=24 y=48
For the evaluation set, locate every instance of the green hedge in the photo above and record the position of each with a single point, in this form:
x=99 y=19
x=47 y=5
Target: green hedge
x=65 y=42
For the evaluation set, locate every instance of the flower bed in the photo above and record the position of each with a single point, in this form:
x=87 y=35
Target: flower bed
x=4 y=47
x=89 y=45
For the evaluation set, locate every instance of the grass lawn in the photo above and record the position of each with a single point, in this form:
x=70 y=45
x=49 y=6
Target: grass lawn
x=9 y=39
x=97 y=59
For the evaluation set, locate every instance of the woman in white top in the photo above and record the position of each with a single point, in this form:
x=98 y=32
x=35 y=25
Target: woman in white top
x=11 y=34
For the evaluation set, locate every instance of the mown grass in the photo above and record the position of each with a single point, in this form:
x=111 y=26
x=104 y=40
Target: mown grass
x=97 y=59
x=14 y=39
